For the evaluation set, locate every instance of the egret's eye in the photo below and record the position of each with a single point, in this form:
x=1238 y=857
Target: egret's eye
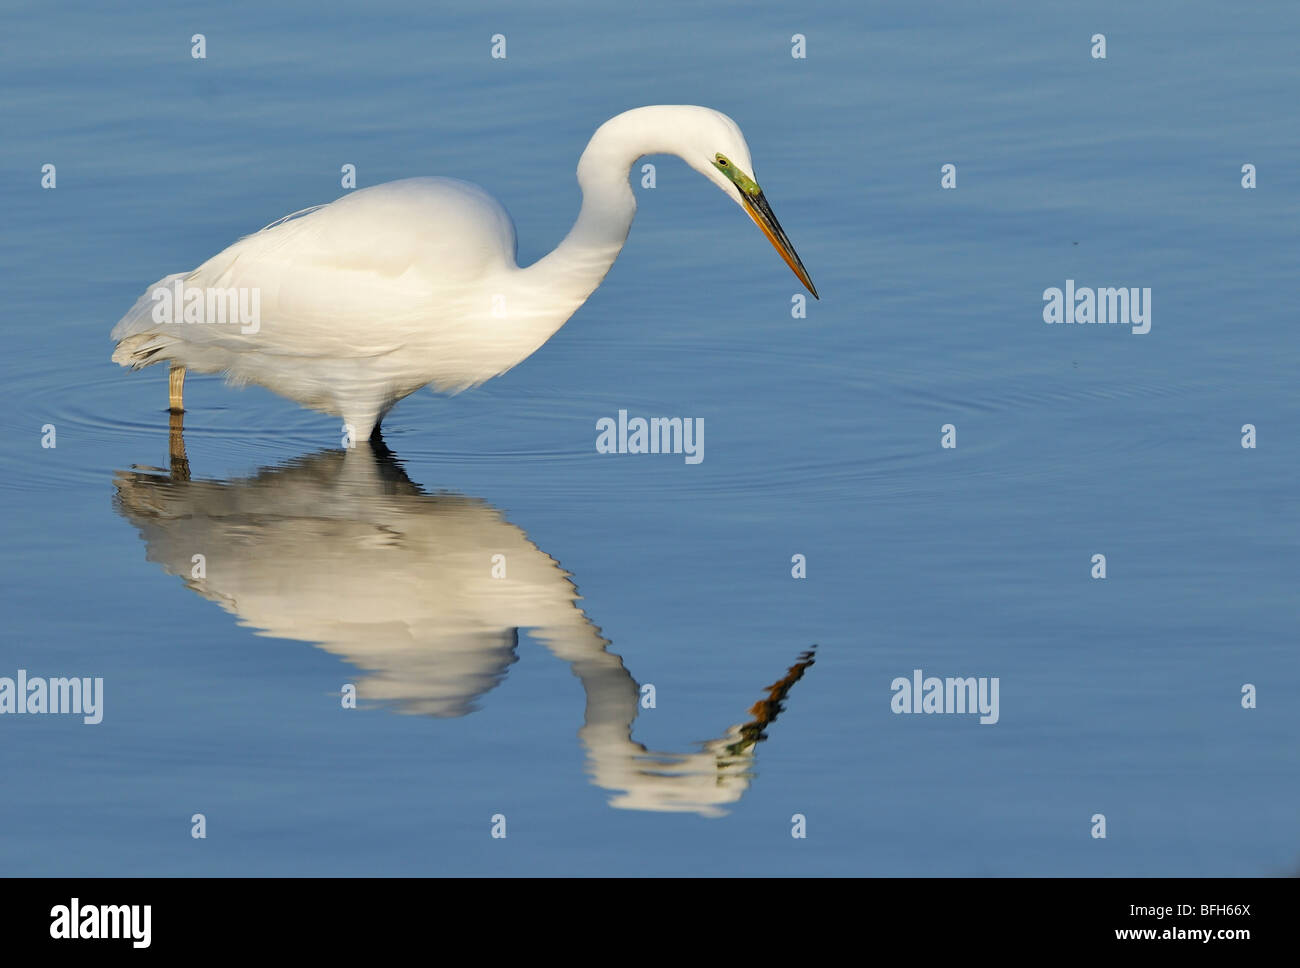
x=722 y=162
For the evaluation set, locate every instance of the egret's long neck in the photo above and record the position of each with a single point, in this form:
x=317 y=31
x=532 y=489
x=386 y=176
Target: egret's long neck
x=563 y=280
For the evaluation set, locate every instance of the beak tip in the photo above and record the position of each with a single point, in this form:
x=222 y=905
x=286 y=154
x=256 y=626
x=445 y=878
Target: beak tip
x=761 y=213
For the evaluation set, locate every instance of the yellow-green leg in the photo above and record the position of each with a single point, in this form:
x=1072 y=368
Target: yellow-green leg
x=175 y=388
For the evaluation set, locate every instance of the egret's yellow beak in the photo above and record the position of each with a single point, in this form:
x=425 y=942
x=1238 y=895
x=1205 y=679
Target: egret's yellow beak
x=761 y=212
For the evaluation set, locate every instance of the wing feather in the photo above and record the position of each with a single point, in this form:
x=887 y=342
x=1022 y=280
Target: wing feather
x=357 y=277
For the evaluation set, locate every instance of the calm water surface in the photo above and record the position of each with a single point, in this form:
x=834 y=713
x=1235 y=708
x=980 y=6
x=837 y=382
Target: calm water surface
x=480 y=696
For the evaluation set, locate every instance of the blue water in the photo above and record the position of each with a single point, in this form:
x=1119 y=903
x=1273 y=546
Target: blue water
x=1119 y=696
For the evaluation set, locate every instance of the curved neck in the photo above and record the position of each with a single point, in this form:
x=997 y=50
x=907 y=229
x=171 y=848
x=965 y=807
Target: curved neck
x=568 y=275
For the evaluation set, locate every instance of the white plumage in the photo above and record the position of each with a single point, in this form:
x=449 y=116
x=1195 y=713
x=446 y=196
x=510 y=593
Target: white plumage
x=363 y=301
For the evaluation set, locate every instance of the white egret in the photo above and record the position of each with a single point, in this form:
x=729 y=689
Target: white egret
x=348 y=307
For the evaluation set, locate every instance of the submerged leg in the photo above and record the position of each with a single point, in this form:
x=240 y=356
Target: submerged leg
x=175 y=386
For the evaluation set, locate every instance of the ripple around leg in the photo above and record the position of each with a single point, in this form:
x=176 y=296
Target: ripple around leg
x=100 y=413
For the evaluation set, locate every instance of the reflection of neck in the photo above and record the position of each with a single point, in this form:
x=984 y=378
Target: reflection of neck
x=647 y=781
x=685 y=782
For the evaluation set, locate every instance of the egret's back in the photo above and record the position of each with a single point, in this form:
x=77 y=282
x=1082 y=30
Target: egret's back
x=350 y=277
x=356 y=303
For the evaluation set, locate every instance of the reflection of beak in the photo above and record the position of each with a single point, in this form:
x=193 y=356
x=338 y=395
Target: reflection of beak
x=766 y=710
x=761 y=213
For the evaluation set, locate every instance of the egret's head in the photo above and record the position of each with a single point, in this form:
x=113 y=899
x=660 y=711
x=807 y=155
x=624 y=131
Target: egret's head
x=721 y=155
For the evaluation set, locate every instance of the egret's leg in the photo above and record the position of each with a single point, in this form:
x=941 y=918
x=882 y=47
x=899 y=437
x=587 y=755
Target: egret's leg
x=361 y=426
x=175 y=386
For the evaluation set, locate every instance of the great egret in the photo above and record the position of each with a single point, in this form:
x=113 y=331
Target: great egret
x=348 y=307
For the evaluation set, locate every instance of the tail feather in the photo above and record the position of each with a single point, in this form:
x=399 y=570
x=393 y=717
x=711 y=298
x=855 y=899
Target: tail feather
x=142 y=349
x=141 y=340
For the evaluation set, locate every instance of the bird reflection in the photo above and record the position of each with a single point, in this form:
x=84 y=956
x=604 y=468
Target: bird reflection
x=426 y=594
